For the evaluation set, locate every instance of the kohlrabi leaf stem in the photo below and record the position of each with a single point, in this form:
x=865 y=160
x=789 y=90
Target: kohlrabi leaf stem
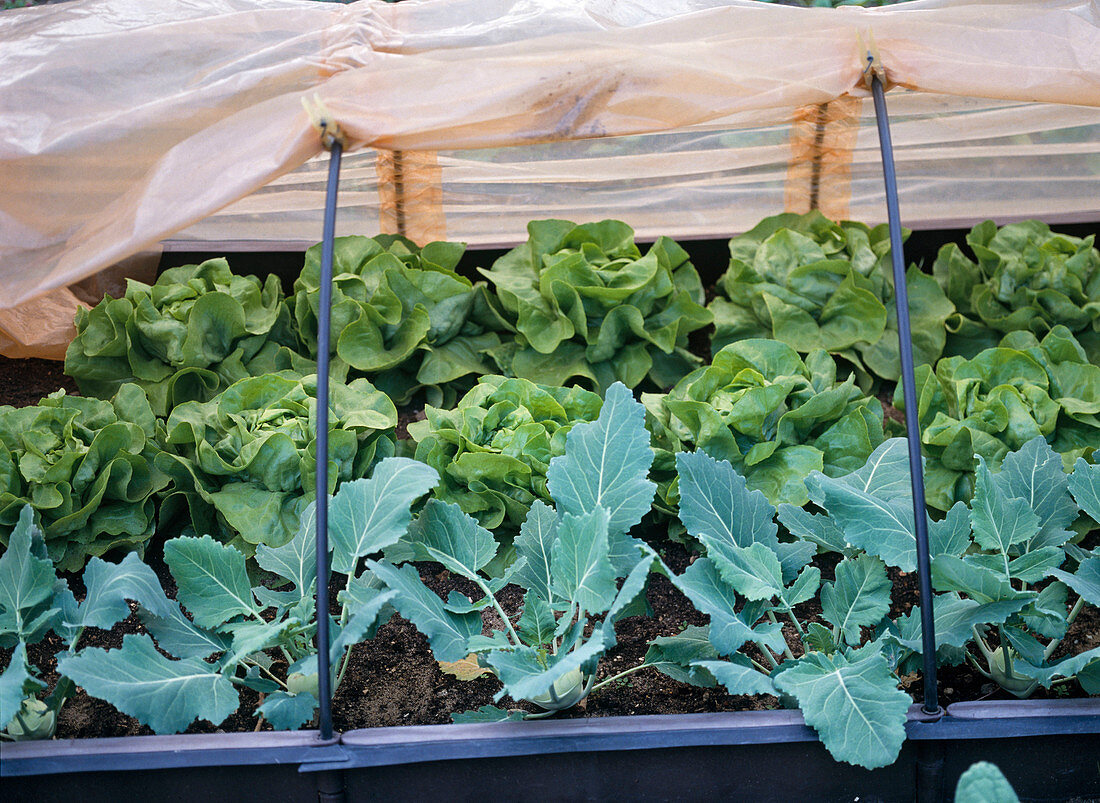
x=500 y=611
x=786 y=646
x=986 y=651
x=266 y=671
x=1007 y=654
x=797 y=626
x=618 y=675
x=767 y=654
x=1076 y=609
x=974 y=663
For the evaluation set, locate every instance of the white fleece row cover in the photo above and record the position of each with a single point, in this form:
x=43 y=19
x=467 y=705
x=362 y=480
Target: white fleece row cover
x=129 y=123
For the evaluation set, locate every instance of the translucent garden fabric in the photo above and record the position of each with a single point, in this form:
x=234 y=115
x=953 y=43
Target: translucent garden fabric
x=124 y=122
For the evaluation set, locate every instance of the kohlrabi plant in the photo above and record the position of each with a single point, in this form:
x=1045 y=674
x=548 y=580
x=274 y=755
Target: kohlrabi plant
x=401 y=316
x=998 y=401
x=219 y=634
x=750 y=583
x=196 y=331
x=493 y=450
x=1023 y=564
x=1025 y=277
x=991 y=563
x=774 y=416
x=242 y=464
x=587 y=306
x=569 y=564
x=86 y=466
x=815 y=284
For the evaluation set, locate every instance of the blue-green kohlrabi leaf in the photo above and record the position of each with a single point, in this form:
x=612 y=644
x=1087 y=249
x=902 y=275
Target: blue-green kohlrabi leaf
x=984 y=783
x=1085 y=581
x=873 y=506
x=1084 y=483
x=286 y=711
x=674 y=656
x=717 y=508
x=998 y=522
x=954 y=619
x=1034 y=473
x=109 y=586
x=859 y=597
x=980 y=583
x=737 y=675
x=534 y=545
x=581 y=570
x=951 y=534
x=295 y=560
x=15 y=684
x=730 y=628
x=166 y=695
x=855 y=706
x=447 y=632
x=525 y=676
x=487 y=713
x=211 y=579
x=606 y=463
x=369 y=515
x=178 y=636
x=445 y=534
x=26 y=582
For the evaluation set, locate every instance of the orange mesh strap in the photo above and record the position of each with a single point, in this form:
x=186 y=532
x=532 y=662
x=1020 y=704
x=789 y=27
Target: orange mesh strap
x=819 y=172
x=410 y=190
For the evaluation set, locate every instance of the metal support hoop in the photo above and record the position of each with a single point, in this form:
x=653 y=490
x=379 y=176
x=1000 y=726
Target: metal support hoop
x=909 y=391
x=324 y=315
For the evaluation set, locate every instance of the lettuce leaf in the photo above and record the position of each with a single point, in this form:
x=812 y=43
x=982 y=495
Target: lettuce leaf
x=242 y=464
x=588 y=306
x=493 y=450
x=773 y=416
x=1000 y=399
x=815 y=284
x=1025 y=278
x=197 y=330
x=86 y=466
x=401 y=316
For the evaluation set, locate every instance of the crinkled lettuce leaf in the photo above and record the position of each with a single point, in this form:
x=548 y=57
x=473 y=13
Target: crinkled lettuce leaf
x=197 y=330
x=494 y=448
x=774 y=416
x=401 y=316
x=587 y=306
x=1000 y=399
x=815 y=284
x=242 y=464
x=1023 y=277
x=86 y=466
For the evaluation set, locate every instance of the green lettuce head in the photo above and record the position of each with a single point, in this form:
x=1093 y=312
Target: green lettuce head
x=493 y=450
x=815 y=284
x=996 y=402
x=1026 y=278
x=773 y=416
x=199 y=329
x=86 y=467
x=242 y=464
x=401 y=316
x=587 y=306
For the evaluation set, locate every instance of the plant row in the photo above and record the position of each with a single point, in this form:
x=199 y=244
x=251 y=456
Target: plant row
x=773 y=452
x=1009 y=576
x=206 y=380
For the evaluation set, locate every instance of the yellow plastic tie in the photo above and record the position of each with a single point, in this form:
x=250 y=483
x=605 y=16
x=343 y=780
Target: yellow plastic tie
x=323 y=121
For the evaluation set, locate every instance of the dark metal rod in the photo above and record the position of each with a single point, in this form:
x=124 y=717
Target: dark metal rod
x=909 y=391
x=324 y=315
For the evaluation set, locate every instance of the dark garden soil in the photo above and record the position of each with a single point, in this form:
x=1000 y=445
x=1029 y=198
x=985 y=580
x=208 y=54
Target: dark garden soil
x=393 y=679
